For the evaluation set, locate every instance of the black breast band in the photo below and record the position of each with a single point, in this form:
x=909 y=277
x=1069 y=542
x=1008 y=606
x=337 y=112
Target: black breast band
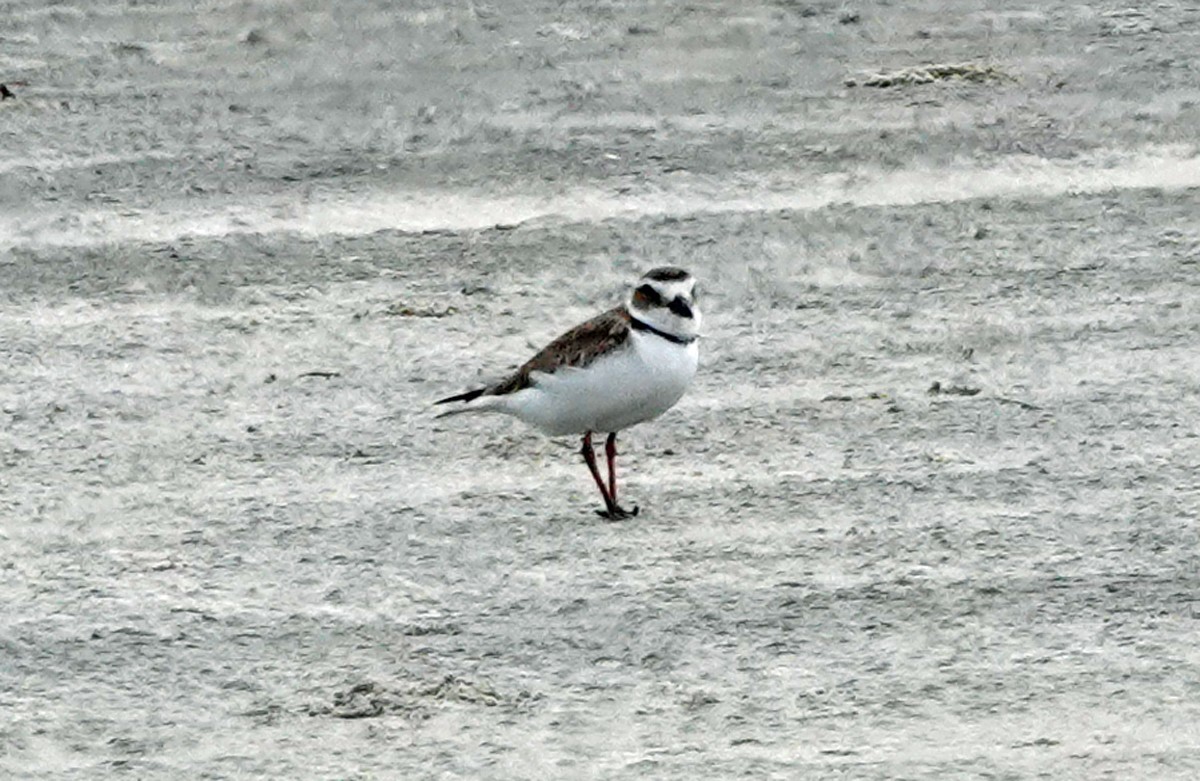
x=638 y=325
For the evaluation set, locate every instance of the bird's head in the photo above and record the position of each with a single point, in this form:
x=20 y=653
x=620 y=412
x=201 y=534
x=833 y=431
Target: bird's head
x=665 y=298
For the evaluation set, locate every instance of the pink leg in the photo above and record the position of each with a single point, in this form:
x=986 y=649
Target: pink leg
x=589 y=457
x=612 y=510
x=610 y=450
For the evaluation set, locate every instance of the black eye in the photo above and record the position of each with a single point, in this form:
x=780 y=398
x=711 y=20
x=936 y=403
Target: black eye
x=649 y=295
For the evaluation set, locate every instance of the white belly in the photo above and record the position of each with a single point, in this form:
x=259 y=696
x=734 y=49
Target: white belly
x=640 y=381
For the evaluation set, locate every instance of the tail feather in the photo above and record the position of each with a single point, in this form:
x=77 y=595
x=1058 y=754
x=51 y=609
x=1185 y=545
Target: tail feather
x=485 y=404
x=470 y=395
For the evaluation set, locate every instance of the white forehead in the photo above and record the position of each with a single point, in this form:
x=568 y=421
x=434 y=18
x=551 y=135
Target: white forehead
x=669 y=289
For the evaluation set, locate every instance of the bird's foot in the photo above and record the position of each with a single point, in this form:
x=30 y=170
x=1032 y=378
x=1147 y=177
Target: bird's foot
x=617 y=513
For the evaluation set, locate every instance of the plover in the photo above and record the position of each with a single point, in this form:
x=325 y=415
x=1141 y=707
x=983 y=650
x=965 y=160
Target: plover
x=623 y=367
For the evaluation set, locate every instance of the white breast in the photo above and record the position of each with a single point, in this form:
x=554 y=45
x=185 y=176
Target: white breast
x=640 y=380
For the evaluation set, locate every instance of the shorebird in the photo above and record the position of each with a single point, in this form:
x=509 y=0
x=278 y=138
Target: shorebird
x=623 y=367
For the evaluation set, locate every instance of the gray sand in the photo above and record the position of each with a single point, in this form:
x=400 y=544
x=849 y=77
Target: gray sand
x=215 y=564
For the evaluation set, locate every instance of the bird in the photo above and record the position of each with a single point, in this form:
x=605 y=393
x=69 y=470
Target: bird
x=625 y=366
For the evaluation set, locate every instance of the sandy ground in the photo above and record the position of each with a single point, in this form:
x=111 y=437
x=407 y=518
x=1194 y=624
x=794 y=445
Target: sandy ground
x=217 y=564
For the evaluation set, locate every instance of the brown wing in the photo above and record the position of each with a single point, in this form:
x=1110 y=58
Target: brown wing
x=576 y=348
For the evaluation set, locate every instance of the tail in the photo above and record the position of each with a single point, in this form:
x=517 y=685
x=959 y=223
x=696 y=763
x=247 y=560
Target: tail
x=470 y=395
x=466 y=407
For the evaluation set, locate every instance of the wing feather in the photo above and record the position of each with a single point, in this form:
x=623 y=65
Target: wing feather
x=576 y=349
